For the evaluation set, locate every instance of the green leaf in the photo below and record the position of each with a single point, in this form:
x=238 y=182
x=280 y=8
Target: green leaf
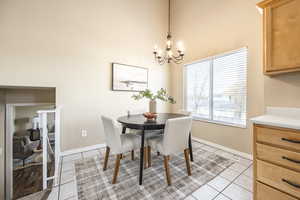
x=160 y=94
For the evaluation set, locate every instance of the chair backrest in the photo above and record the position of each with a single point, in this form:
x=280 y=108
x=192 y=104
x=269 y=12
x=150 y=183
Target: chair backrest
x=184 y=112
x=112 y=133
x=176 y=135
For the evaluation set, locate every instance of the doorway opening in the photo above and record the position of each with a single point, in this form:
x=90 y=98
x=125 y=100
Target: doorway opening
x=24 y=153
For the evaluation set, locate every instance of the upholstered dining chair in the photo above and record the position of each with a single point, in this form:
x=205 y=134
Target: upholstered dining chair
x=188 y=113
x=173 y=141
x=117 y=143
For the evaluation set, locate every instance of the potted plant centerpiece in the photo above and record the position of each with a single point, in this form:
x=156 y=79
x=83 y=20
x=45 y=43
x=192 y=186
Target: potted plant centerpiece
x=160 y=95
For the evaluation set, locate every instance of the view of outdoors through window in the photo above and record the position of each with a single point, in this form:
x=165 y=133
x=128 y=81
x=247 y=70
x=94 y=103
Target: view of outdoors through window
x=216 y=88
x=198 y=89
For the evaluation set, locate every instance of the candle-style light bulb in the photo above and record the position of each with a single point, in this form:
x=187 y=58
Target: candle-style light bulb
x=169 y=43
x=159 y=52
x=155 y=48
x=180 y=46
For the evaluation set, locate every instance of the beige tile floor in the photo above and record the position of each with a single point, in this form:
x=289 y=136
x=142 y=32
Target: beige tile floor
x=235 y=183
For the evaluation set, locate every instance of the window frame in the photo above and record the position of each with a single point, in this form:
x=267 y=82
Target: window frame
x=211 y=59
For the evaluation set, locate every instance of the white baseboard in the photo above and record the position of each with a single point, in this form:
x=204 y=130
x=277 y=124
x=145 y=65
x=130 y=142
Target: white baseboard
x=79 y=150
x=242 y=154
x=98 y=146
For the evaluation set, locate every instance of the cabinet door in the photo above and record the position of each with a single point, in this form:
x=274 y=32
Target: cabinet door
x=265 y=192
x=281 y=36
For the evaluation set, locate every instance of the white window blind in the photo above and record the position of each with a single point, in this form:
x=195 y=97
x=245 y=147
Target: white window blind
x=215 y=88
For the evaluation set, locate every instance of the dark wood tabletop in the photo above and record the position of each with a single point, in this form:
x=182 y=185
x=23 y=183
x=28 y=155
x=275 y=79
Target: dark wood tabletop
x=140 y=122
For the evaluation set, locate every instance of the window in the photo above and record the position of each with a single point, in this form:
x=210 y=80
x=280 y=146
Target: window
x=215 y=88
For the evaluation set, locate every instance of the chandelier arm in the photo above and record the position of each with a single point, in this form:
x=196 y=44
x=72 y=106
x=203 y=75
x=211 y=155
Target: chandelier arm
x=177 y=60
x=174 y=61
x=158 y=58
x=177 y=57
x=161 y=60
x=166 y=59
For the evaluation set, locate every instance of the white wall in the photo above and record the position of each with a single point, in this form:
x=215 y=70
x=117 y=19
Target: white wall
x=2 y=138
x=283 y=90
x=70 y=45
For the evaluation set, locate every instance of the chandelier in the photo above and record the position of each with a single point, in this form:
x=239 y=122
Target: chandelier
x=168 y=56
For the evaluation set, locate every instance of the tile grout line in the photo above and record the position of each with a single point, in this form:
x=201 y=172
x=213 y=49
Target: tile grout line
x=232 y=182
x=59 y=182
x=246 y=176
x=61 y=176
x=218 y=193
x=72 y=154
x=67 y=182
x=70 y=197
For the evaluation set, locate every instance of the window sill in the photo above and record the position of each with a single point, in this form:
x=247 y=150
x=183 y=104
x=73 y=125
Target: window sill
x=219 y=122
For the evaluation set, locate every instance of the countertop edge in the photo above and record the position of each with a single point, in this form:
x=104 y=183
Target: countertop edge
x=256 y=120
x=276 y=125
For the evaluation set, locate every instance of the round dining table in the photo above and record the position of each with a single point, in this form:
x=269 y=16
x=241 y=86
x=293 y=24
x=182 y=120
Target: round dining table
x=139 y=122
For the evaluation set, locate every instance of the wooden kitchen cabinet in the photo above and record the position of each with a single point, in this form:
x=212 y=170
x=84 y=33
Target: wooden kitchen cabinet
x=276 y=163
x=281 y=36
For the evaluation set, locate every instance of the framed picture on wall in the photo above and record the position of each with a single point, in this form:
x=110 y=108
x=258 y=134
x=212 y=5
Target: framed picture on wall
x=129 y=78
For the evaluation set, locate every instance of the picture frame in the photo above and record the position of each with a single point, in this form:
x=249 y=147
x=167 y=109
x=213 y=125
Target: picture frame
x=129 y=78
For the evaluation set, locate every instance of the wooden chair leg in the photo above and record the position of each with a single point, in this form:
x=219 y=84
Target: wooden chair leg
x=149 y=156
x=132 y=155
x=106 y=158
x=187 y=160
x=145 y=157
x=167 y=169
x=117 y=166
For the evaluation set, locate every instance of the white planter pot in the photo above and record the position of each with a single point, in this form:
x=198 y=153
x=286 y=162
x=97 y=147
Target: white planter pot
x=152 y=106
